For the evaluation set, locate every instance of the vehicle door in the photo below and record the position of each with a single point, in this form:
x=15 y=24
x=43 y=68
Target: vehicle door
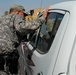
x=49 y=41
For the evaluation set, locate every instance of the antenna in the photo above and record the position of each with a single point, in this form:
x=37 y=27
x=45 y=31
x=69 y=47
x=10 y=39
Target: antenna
x=41 y=3
x=40 y=8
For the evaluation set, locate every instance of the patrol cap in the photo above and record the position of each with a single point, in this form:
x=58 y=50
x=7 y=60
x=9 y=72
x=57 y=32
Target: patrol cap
x=18 y=7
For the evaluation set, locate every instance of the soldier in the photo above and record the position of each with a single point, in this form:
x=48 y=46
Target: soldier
x=15 y=22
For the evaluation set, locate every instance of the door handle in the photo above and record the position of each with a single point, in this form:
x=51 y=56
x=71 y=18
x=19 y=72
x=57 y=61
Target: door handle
x=62 y=73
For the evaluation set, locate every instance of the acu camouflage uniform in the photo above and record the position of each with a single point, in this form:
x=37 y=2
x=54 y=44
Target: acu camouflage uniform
x=8 y=26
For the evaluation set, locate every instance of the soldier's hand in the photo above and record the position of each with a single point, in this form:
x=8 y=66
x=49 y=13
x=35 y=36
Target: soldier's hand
x=46 y=12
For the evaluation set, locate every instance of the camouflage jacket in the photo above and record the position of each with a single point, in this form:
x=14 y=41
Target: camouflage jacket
x=8 y=25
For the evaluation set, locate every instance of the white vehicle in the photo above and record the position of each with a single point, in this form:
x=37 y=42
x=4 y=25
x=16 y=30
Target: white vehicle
x=55 y=52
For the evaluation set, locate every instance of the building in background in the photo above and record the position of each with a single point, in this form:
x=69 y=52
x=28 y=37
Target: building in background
x=32 y=14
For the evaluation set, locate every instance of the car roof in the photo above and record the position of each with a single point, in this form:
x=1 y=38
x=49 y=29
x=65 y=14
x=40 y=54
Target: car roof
x=67 y=5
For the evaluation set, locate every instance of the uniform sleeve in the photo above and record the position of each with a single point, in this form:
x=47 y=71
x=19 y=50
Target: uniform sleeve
x=21 y=25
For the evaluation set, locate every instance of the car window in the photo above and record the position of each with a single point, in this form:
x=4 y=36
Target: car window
x=48 y=32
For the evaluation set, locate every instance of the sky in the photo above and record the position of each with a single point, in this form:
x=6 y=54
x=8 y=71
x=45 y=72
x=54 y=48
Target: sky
x=28 y=4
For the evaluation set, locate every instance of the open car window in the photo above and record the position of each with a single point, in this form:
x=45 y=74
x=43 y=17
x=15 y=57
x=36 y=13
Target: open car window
x=48 y=32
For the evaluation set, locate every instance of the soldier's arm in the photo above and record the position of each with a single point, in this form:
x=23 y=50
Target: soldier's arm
x=34 y=24
x=21 y=25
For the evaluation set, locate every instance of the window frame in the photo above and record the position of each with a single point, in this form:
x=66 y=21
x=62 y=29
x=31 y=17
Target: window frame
x=51 y=11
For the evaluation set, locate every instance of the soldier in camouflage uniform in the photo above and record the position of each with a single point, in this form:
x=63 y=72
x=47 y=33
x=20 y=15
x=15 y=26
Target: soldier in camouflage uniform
x=13 y=22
